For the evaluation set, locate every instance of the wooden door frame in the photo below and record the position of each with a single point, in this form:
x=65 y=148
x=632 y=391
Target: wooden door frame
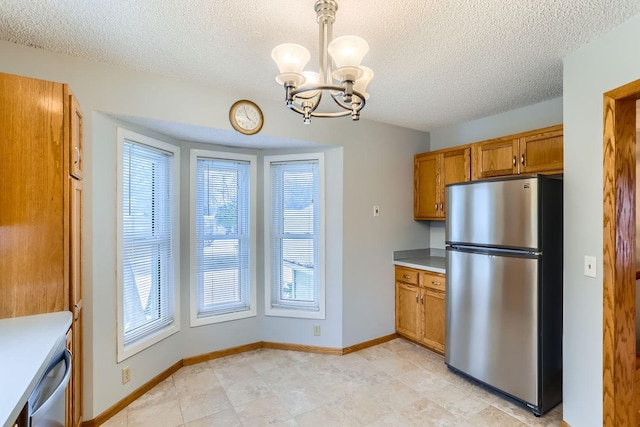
x=619 y=196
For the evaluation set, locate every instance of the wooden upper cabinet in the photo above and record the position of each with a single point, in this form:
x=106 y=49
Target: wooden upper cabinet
x=455 y=168
x=426 y=184
x=538 y=151
x=432 y=171
x=542 y=152
x=34 y=232
x=76 y=138
x=496 y=157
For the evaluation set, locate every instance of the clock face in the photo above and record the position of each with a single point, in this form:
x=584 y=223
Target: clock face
x=246 y=117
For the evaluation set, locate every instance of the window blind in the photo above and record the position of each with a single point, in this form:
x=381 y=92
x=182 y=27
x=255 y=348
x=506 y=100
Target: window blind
x=147 y=240
x=295 y=225
x=223 y=275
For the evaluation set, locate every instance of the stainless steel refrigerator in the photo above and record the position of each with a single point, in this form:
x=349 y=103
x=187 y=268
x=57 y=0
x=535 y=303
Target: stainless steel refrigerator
x=504 y=286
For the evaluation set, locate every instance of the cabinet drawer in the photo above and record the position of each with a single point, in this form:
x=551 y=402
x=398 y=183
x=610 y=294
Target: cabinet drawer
x=407 y=275
x=432 y=281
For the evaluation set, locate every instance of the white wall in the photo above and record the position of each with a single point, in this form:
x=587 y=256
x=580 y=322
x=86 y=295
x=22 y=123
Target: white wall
x=604 y=64
x=370 y=163
x=536 y=116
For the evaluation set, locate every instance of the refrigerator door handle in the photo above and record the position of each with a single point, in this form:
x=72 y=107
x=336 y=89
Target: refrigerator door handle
x=494 y=251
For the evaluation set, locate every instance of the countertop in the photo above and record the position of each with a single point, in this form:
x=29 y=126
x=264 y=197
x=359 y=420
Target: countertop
x=422 y=259
x=27 y=345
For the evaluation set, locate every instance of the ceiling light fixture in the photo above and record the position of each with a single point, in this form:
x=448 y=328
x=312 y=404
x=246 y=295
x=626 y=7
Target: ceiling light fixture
x=304 y=89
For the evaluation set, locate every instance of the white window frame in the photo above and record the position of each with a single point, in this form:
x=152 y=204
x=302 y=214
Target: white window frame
x=270 y=310
x=125 y=351
x=252 y=312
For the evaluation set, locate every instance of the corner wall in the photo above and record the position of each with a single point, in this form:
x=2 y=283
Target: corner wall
x=604 y=64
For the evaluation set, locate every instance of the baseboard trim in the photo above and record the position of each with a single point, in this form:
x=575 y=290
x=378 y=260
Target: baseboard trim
x=370 y=343
x=221 y=353
x=303 y=348
x=119 y=406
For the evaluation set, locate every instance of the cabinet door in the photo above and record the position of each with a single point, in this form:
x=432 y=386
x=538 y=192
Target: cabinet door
x=33 y=232
x=494 y=158
x=426 y=187
x=542 y=152
x=433 y=326
x=407 y=310
x=76 y=297
x=456 y=167
x=75 y=143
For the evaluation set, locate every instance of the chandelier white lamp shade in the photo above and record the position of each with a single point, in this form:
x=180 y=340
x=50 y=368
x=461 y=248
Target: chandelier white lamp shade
x=346 y=84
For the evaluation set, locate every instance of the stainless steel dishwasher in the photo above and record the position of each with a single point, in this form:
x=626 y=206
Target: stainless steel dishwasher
x=46 y=404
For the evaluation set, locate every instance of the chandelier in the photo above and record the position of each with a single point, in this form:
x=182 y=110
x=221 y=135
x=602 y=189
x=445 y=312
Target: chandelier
x=346 y=84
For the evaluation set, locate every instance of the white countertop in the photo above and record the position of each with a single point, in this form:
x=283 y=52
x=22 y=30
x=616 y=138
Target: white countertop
x=422 y=259
x=27 y=345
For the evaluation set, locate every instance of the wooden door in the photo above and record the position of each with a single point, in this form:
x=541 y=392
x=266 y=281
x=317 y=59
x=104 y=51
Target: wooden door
x=433 y=327
x=75 y=146
x=76 y=296
x=33 y=204
x=497 y=157
x=542 y=152
x=407 y=313
x=456 y=167
x=426 y=186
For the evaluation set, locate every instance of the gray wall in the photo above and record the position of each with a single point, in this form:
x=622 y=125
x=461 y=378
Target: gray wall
x=542 y=114
x=604 y=64
x=367 y=163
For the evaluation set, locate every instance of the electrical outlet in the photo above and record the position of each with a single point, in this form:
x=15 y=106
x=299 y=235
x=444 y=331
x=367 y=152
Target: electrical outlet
x=590 y=266
x=316 y=330
x=376 y=210
x=126 y=375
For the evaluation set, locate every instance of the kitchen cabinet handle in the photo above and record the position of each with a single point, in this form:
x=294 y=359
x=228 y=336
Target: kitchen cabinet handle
x=406 y=276
x=436 y=206
x=514 y=161
x=77 y=150
x=77 y=308
x=436 y=283
x=522 y=160
x=440 y=206
x=416 y=297
x=422 y=299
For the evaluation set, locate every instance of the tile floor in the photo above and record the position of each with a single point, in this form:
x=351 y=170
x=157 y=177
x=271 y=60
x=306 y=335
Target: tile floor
x=392 y=384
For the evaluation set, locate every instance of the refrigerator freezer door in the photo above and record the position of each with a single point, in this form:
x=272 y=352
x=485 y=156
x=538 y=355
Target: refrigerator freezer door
x=494 y=213
x=492 y=320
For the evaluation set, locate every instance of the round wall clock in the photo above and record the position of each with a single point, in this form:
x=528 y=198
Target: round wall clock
x=246 y=117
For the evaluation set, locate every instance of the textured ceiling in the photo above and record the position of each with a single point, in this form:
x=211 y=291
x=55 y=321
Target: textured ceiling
x=437 y=62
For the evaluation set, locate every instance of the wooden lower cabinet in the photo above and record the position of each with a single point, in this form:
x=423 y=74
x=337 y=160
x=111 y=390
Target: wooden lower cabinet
x=420 y=307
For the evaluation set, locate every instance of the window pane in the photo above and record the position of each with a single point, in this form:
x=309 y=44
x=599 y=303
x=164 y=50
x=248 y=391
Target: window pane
x=147 y=240
x=295 y=216
x=222 y=236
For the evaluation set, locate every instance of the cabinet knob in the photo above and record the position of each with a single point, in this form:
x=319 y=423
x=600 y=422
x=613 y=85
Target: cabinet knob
x=77 y=150
x=422 y=299
x=436 y=207
x=514 y=161
x=416 y=297
x=522 y=160
x=436 y=283
x=440 y=206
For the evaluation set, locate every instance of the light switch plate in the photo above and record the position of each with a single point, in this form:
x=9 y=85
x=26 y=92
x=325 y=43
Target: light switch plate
x=589 y=266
